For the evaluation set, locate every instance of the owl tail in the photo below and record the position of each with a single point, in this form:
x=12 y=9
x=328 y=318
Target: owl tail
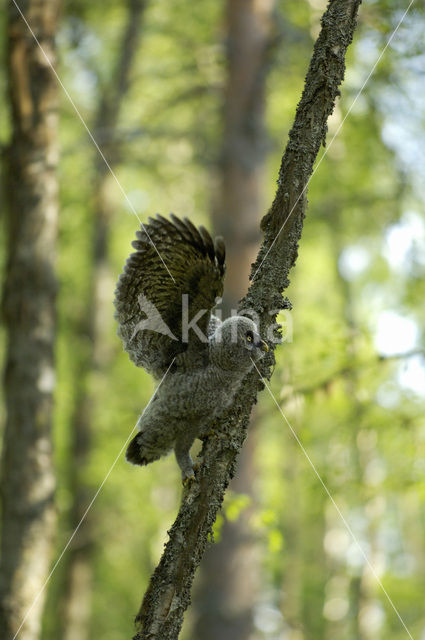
x=133 y=453
x=139 y=452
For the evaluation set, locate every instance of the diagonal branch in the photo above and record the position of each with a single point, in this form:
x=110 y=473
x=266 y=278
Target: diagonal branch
x=168 y=595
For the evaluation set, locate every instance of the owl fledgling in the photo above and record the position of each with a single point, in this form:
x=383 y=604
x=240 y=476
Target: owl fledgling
x=164 y=299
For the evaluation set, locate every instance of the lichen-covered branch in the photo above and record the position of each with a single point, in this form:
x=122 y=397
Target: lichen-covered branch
x=168 y=595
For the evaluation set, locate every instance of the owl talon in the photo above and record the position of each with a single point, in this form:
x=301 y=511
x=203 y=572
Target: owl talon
x=197 y=464
x=188 y=479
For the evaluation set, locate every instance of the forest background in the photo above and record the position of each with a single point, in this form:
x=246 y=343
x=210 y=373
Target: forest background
x=153 y=81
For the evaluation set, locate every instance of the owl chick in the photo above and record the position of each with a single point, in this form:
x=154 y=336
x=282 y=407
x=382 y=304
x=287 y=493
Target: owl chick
x=163 y=300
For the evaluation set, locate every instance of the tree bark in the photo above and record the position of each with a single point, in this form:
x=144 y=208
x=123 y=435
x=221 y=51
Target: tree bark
x=168 y=595
x=28 y=481
x=76 y=608
x=230 y=573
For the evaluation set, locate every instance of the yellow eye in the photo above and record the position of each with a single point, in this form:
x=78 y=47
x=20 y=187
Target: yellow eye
x=249 y=338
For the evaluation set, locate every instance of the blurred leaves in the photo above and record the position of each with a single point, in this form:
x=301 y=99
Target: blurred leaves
x=360 y=417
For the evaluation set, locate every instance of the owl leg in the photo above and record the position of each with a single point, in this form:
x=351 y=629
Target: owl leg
x=182 y=453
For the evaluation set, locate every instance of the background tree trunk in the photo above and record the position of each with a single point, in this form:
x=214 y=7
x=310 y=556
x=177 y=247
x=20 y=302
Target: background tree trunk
x=240 y=200
x=28 y=514
x=230 y=574
x=78 y=581
x=363 y=587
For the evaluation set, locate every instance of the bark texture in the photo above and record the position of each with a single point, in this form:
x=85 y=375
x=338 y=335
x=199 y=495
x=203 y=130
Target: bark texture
x=28 y=483
x=168 y=595
x=76 y=608
x=225 y=599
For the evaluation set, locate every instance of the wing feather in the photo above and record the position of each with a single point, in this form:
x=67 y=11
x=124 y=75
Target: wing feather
x=149 y=303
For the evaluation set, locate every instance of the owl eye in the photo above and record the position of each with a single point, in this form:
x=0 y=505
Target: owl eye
x=249 y=336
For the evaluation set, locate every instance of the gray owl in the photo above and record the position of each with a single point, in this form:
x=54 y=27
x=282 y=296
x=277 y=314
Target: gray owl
x=163 y=300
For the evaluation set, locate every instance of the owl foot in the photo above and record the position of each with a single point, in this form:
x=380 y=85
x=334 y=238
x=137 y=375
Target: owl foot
x=197 y=464
x=188 y=479
x=182 y=453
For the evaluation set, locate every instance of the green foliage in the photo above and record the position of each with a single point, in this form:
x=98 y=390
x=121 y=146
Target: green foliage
x=359 y=417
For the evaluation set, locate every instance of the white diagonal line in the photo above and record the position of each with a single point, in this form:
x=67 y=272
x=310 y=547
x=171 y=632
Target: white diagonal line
x=74 y=106
x=350 y=531
x=88 y=509
x=328 y=146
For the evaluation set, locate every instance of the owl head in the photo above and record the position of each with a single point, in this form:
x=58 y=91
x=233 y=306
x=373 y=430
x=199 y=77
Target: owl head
x=236 y=343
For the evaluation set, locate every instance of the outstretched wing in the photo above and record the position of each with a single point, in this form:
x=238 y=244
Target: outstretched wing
x=175 y=275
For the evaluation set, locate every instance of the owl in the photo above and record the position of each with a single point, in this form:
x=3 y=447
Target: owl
x=164 y=300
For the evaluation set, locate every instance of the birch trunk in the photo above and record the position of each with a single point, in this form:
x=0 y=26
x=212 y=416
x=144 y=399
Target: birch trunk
x=28 y=481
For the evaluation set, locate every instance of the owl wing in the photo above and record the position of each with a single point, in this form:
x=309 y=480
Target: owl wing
x=177 y=271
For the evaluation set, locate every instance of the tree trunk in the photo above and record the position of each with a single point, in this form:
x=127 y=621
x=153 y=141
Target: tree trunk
x=228 y=589
x=241 y=196
x=76 y=608
x=28 y=481
x=363 y=586
x=168 y=595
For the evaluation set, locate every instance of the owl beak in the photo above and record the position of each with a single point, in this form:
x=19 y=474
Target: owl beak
x=263 y=346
